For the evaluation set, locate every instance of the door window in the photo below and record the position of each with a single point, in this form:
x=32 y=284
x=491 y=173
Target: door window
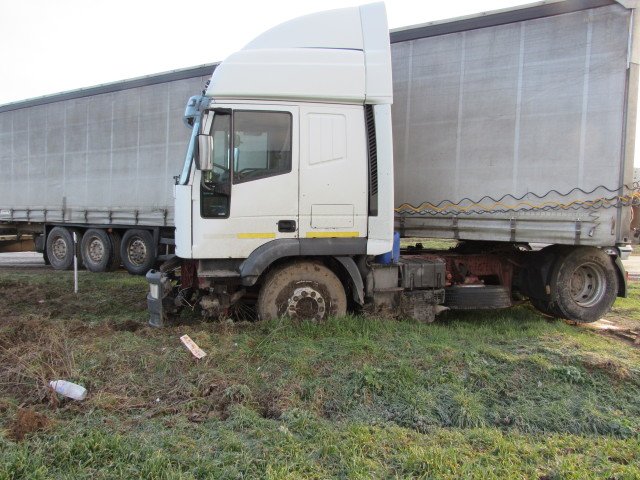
x=262 y=145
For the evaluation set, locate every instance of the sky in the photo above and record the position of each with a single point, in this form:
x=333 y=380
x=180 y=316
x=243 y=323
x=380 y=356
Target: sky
x=50 y=46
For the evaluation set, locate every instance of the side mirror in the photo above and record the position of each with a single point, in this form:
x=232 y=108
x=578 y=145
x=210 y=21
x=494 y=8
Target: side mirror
x=205 y=153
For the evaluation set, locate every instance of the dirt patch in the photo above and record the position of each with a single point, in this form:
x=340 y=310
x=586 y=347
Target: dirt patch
x=127 y=326
x=609 y=367
x=14 y=294
x=27 y=421
x=4 y=406
x=270 y=406
x=618 y=327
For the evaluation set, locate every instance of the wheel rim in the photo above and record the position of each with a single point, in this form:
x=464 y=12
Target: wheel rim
x=96 y=250
x=306 y=303
x=588 y=285
x=59 y=248
x=137 y=252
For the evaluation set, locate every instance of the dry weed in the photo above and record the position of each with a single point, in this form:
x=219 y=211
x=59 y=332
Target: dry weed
x=33 y=351
x=27 y=421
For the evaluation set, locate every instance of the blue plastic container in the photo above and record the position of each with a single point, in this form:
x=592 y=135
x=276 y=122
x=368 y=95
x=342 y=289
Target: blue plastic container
x=394 y=255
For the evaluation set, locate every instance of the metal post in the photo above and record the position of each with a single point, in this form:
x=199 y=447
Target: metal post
x=75 y=262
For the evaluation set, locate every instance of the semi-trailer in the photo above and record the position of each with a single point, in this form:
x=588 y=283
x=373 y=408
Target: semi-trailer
x=98 y=163
x=509 y=129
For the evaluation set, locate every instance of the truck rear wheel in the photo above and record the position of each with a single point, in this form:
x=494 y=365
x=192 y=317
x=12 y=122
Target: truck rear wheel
x=304 y=290
x=584 y=285
x=59 y=247
x=541 y=270
x=545 y=307
x=137 y=251
x=96 y=250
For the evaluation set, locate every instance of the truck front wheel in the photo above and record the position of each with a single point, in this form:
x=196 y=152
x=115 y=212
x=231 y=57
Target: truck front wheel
x=137 y=251
x=584 y=285
x=303 y=290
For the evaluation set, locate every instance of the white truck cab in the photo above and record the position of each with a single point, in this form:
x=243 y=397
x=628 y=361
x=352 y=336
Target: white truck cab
x=290 y=146
x=291 y=159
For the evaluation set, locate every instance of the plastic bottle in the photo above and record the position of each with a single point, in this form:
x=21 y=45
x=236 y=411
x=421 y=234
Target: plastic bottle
x=69 y=389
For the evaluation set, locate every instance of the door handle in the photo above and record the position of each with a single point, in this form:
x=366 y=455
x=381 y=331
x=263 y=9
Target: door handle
x=287 y=226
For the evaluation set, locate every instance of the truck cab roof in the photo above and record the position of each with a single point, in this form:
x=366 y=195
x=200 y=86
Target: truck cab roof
x=338 y=56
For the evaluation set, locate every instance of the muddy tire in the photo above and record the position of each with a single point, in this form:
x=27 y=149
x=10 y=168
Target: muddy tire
x=137 y=251
x=545 y=307
x=96 y=250
x=303 y=290
x=584 y=285
x=543 y=266
x=59 y=247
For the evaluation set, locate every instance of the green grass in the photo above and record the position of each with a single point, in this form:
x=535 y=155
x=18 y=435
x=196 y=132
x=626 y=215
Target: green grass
x=429 y=243
x=629 y=307
x=504 y=394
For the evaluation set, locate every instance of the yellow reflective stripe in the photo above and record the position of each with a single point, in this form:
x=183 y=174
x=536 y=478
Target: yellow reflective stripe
x=256 y=235
x=309 y=235
x=332 y=234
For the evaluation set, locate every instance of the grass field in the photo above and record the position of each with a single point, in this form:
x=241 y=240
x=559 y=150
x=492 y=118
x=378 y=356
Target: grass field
x=505 y=394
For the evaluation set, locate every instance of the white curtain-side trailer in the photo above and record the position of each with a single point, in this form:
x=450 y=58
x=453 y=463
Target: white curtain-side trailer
x=98 y=162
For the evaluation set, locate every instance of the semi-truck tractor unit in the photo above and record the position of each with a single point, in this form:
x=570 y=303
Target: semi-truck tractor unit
x=507 y=131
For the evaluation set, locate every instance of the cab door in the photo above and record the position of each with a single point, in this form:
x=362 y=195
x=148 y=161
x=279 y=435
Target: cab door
x=251 y=195
x=333 y=172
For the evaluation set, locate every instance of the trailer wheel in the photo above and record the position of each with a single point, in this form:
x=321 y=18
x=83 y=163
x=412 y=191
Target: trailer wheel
x=137 y=251
x=59 y=247
x=584 y=285
x=303 y=290
x=96 y=250
x=116 y=259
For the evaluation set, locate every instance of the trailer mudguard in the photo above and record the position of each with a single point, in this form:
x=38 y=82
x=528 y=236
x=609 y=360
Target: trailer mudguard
x=622 y=277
